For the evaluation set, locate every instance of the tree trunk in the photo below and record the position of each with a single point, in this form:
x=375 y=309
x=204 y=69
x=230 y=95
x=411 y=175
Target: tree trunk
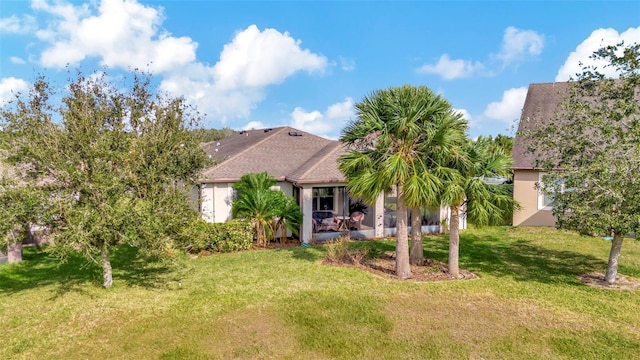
x=454 y=241
x=14 y=247
x=416 y=253
x=106 y=267
x=614 y=255
x=403 y=269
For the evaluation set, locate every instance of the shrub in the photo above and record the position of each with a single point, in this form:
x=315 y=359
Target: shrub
x=220 y=237
x=338 y=252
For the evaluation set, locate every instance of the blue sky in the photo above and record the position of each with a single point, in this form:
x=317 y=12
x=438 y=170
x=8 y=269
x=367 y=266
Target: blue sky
x=304 y=64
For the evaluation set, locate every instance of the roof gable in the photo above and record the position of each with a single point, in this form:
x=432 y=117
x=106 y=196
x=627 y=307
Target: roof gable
x=541 y=106
x=284 y=152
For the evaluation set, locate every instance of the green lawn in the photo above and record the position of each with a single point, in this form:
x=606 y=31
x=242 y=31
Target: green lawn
x=527 y=304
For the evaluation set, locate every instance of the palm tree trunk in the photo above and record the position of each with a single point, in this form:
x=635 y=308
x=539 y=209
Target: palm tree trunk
x=106 y=267
x=454 y=241
x=403 y=269
x=614 y=255
x=416 y=253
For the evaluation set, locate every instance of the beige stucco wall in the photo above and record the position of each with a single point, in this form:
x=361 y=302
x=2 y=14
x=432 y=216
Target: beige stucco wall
x=525 y=192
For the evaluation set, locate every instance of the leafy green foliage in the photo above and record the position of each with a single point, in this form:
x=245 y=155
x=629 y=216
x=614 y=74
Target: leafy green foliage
x=268 y=210
x=208 y=135
x=401 y=137
x=591 y=152
x=116 y=162
x=229 y=236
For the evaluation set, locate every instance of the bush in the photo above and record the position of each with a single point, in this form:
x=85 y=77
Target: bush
x=220 y=237
x=338 y=252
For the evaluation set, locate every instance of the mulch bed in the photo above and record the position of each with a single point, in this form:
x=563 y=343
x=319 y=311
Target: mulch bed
x=384 y=266
x=622 y=283
x=430 y=270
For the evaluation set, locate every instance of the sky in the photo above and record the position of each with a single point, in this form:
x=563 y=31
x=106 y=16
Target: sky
x=258 y=64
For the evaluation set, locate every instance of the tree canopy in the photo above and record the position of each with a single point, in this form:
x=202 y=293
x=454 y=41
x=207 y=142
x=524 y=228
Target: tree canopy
x=402 y=137
x=116 y=161
x=590 y=151
x=268 y=210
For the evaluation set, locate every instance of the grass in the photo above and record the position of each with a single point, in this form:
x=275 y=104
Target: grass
x=283 y=304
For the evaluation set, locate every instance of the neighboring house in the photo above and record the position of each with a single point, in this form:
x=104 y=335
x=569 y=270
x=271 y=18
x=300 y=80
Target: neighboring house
x=305 y=167
x=541 y=106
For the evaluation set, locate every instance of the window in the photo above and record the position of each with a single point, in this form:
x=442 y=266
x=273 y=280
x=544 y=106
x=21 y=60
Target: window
x=546 y=199
x=323 y=198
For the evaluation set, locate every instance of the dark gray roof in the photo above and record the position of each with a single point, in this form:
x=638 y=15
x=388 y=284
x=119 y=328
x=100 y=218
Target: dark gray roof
x=283 y=152
x=540 y=107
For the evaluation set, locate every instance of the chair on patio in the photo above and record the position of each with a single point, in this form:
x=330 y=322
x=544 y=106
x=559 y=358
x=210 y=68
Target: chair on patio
x=325 y=220
x=355 y=220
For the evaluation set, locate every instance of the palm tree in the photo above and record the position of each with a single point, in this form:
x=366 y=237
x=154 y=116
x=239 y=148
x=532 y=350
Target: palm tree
x=485 y=204
x=288 y=216
x=268 y=210
x=398 y=139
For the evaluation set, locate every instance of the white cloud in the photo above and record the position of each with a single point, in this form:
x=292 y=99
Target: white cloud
x=598 y=38
x=9 y=87
x=252 y=61
x=450 y=69
x=260 y=58
x=347 y=64
x=253 y=125
x=127 y=34
x=17 y=60
x=121 y=33
x=509 y=108
x=17 y=25
x=329 y=123
x=518 y=43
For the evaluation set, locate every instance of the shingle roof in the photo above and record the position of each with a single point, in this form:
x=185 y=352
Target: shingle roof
x=540 y=106
x=283 y=152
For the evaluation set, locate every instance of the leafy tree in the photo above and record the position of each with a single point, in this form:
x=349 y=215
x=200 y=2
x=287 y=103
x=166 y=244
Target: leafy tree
x=591 y=153
x=208 y=135
x=400 y=138
x=503 y=142
x=465 y=190
x=268 y=210
x=115 y=162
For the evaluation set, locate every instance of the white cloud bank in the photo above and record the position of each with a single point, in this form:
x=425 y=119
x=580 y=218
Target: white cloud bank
x=251 y=62
x=597 y=39
x=327 y=124
x=450 y=69
x=122 y=33
x=127 y=34
x=17 y=25
x=517 y=45
x=9 y=87
x=509 y=108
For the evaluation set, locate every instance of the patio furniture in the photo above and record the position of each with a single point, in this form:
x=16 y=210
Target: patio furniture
x=325 y=220
x=355 y=220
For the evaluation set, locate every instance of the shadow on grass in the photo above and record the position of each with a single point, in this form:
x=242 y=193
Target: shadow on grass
x=40 y=268
x=518 y=259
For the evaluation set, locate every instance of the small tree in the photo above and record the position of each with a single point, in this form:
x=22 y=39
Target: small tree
x=399 y=138
x=268 y=210
x=114 y=162
x=466 y=190
x=591 y=154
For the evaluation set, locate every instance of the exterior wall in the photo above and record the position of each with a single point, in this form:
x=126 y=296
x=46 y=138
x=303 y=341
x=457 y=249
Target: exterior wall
x=216 y=202
x=306 y=197
x=525 y=192
x=285 y=187
x=207 y=202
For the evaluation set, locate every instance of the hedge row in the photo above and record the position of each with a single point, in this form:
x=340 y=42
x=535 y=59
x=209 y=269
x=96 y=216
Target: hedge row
x=221 y=237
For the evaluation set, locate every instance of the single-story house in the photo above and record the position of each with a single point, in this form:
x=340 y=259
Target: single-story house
x=541 y=105
x=305 y=167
